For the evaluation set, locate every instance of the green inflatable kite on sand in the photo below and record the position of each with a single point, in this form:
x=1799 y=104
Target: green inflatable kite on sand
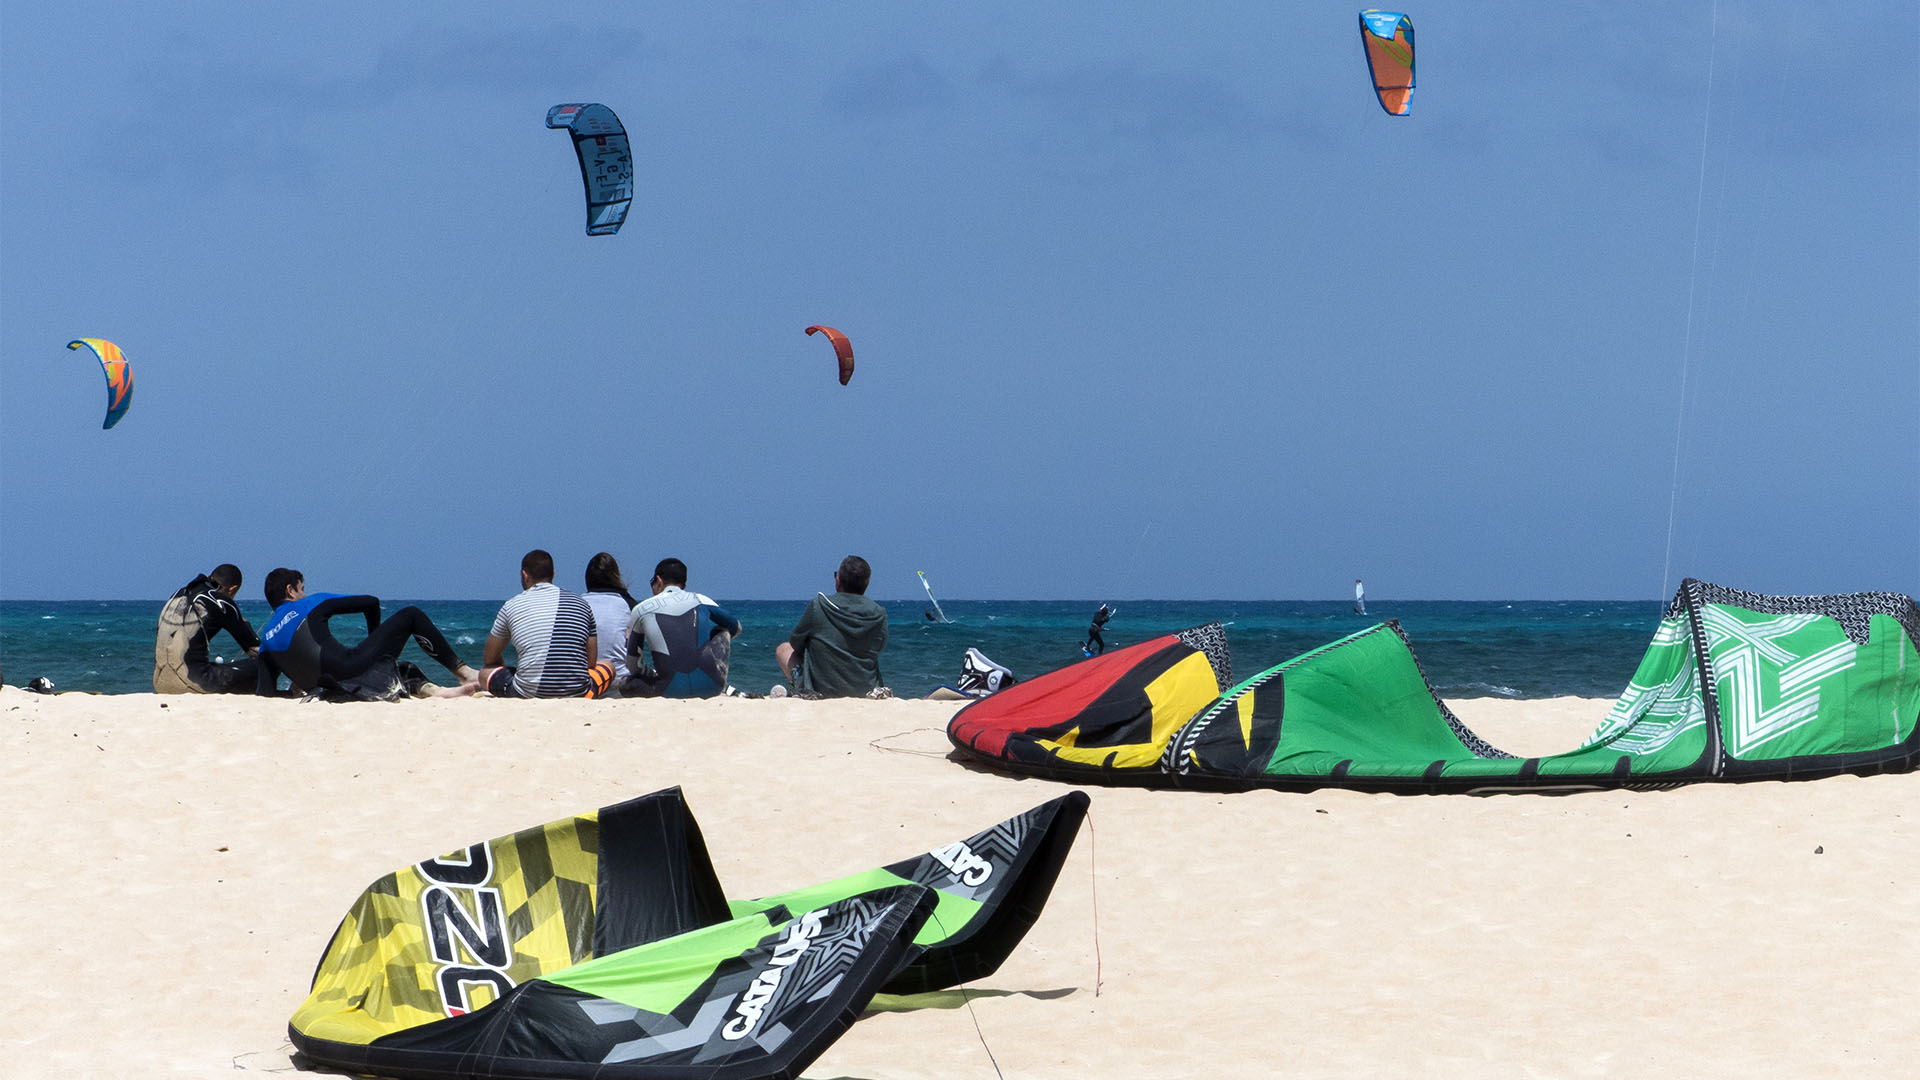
x=1735 y=686
x=601 y=945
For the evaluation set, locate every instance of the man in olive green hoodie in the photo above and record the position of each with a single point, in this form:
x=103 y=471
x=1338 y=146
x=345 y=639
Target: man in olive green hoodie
x=834 y=650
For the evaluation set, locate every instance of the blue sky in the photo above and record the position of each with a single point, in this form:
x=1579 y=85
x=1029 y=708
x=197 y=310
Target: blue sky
x=1147 y=300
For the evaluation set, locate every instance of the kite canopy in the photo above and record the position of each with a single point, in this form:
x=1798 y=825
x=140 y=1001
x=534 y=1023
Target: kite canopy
x=119 y=373
x=606 y=162
x=602 y=945
x=1387 y=37
x=841 y=348
x=1735 y=686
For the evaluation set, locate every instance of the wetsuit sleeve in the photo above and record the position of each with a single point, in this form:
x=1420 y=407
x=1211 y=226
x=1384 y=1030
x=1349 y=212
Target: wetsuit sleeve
x=882 y=644
x=227 y=617
x=349 y=605
x=242 y=632
x=722 y=618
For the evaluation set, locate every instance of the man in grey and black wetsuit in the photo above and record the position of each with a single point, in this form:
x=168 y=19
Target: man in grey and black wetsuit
x=188 y=621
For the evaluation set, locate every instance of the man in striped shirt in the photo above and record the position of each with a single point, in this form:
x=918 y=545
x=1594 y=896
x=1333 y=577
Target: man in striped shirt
x=552 y=632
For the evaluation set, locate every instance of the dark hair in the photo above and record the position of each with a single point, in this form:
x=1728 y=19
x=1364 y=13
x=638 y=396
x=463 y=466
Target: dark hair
x=279 y=580
x=603 y=575
x=538 y=565
x=854 y=575
x=671 y=571
x=226 y=575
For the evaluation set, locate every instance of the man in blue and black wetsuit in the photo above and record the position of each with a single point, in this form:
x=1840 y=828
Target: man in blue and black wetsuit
x=689 y=637
x=299 y=645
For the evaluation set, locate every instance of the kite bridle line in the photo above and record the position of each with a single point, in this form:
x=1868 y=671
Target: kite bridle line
x=1093 y=896
x=965 y=996
x=1693 y=284
x=875 y=744
x=322 y=537
x=967 y=999
x=1133 y=571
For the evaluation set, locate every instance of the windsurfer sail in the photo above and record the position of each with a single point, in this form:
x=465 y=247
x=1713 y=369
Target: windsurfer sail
x=936 y=615
x=1359 y=597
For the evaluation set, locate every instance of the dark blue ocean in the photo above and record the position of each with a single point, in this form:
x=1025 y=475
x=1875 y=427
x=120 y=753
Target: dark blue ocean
x=1519 y=649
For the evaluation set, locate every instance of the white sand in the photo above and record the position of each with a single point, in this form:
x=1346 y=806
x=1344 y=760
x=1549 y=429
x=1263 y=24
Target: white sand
x=183 y=861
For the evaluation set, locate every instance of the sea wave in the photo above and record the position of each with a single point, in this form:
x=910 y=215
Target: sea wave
x=1478 y=689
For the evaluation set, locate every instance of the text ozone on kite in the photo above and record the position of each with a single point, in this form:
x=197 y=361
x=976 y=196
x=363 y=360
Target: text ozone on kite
x=606 y=162
x=841 y=347
x=1387 y=37
x=119 y=373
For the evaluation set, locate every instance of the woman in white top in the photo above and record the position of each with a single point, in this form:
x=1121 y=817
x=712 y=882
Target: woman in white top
x=611 y=603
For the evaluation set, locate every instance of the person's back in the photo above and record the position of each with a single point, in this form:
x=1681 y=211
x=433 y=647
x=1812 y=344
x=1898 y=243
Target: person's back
x=610 y=614
x=690 y=638
x=549 y=628
x=188 y=620
x=834 y=650
x=844 y=636
x=290 y=646
x=552 y=631
x=612 y=606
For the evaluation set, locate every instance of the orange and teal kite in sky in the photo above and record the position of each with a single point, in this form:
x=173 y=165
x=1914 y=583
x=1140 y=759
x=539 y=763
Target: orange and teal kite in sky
x=119 y=373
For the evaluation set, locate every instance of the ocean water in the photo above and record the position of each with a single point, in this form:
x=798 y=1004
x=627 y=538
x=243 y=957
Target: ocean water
x=1518 y=649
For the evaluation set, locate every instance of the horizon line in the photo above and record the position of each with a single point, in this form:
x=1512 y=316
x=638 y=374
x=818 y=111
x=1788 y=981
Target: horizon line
x=957 y=600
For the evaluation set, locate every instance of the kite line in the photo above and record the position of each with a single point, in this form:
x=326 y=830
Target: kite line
x=1693 y=285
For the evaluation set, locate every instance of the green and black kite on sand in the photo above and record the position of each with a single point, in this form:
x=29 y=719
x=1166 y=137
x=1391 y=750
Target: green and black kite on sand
x=601 y=945
x=1736 y=686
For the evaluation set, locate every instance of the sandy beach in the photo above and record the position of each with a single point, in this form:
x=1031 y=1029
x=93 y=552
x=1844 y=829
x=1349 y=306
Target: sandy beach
x=184 y=859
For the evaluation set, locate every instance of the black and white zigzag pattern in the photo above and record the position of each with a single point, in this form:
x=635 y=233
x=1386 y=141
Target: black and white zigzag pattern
x=1853 y=611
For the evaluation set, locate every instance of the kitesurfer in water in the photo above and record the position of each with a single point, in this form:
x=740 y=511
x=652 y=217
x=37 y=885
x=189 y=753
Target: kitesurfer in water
x=1095 y=644
x=299 y=645
x=189 y=620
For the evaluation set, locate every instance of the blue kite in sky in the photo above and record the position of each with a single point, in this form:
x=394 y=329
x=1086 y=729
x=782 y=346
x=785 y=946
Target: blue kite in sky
x=1388 y=39
x=606 y=162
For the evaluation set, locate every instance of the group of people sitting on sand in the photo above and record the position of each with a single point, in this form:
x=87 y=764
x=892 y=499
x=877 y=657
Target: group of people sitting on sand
x=604 y=643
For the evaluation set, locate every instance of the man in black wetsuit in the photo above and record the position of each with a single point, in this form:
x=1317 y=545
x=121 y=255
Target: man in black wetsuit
x=1095 y=644
x=299 y=645
x=188 y=621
